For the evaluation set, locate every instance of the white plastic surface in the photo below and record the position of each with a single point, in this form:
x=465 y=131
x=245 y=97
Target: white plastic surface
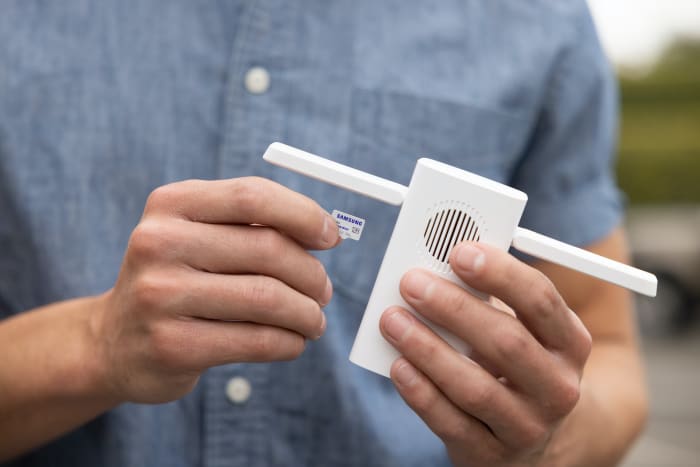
x=584 y=261
x=336 y=174
x=434 y=186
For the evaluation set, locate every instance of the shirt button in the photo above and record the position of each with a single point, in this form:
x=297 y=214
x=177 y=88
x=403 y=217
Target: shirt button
x=238 y=390
x=257 y=80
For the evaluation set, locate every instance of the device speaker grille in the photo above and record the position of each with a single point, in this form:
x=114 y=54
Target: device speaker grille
x=445 y=229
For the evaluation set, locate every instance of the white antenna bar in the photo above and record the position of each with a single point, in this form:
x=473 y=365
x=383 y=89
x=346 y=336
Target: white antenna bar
x=336 y=174
x=524 y=240
x=589 y=263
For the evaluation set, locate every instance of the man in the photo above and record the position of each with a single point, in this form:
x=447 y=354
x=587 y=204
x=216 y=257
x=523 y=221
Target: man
x=199 y=299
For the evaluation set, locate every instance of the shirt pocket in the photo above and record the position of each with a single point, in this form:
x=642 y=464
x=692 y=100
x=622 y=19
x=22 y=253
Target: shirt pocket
x=389 y=131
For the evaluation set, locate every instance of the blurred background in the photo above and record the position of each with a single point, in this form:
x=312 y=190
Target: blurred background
x=655 y=49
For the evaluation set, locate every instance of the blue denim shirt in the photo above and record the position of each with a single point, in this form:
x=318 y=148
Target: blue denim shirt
x=101 y=102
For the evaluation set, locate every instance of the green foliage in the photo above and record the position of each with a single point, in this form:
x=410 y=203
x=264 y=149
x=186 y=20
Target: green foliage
x=659 y=151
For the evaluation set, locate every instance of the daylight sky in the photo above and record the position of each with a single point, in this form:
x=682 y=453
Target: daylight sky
x=635 y=32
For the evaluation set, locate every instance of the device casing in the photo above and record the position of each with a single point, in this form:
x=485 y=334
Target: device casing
x=443 y=206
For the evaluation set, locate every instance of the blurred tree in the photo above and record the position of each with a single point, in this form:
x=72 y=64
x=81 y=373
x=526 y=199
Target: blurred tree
x=659 y=149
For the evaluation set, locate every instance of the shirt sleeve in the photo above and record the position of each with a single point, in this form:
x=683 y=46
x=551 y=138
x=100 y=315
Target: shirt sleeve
x=567 y=169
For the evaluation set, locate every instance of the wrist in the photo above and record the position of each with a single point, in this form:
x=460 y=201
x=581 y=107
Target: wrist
x=89 y=374
x=52 y=379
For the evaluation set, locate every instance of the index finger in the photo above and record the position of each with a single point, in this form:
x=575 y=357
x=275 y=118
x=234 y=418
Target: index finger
x=248 y=200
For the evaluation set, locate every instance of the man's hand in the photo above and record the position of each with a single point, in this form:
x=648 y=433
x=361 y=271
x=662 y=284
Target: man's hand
x=501 y=406
x=215 y=272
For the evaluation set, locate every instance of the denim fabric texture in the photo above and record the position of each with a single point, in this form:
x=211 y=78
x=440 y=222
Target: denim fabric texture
x=103 y=101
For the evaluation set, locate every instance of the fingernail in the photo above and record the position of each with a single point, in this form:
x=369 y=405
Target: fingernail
x=418 y=285
x=469 y=258
x=327 y=293
x=330 y=233
x=397 y=325
x=323 y=325
x=405 y=374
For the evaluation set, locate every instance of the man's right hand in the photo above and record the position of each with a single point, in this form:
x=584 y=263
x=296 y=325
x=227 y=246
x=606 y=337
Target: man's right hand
x=215 y=272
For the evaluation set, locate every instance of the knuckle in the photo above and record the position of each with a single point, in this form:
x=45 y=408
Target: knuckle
x=145 y=241
x=567 y=396
x=585 y=344
x=294 y=348
x=424 y=400
x=512 y=342
x=267 y=344
x=147 y=291
x=495 y=453
x=249 y=195
x=479 y=396
x=430 y=350
x=150 y=291
x=453 y=432
x=163 y=197
x=533 y=435
x=151 y=240
x=263 y=343
x=265 y=243
x=262 y=294
x=547 y=298
x=456 y=300
x=164 y=346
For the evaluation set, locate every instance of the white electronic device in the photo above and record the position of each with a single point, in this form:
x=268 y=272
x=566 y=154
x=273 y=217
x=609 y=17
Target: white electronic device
x=442 y=206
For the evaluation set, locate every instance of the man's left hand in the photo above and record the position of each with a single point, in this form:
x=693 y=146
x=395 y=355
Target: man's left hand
x=501 y=405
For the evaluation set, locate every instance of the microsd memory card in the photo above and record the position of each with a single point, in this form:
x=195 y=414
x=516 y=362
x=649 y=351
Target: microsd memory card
x=349 y=226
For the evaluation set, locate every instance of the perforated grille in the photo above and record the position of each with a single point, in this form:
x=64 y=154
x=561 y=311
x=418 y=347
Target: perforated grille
x=445 y=229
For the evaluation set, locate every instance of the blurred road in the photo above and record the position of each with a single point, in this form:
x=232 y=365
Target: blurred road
x=672 y=437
